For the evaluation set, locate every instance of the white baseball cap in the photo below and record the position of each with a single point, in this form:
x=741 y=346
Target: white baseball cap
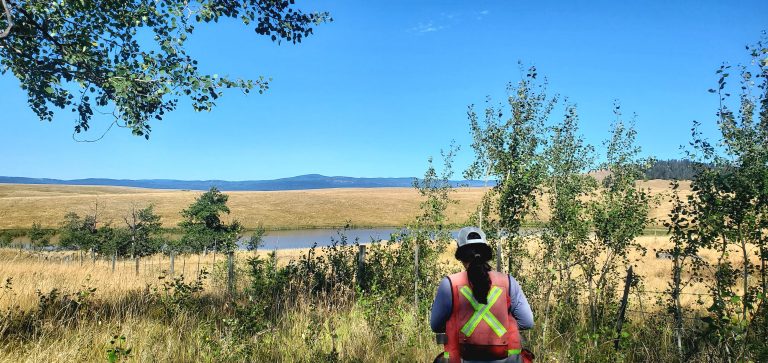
x=473 y=237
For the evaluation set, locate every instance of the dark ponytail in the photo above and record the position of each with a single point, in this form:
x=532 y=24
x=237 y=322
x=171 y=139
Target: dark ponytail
x=479 y=280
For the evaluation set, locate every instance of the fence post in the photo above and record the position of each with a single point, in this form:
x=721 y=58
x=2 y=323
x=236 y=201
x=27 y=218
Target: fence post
x=416 y=278
x=274 y=262
x=198 y=265
x=114 y=260
x=361 y=266
x=498 y=256
x=622 y=309
x=173 y=259
x=137 y=265
x=231 y=272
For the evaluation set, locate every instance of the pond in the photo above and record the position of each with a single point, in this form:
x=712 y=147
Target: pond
x=304 y=238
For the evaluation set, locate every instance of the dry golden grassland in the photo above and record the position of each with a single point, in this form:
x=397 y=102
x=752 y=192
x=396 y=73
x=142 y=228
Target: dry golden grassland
x=44 y=271
x=119 y=296
x=122 y=299
x=21 y=205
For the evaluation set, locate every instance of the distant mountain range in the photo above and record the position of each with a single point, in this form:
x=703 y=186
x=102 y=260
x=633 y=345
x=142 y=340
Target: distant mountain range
x=310 y=181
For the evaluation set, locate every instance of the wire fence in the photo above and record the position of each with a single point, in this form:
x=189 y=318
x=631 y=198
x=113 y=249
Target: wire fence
x=148 y=268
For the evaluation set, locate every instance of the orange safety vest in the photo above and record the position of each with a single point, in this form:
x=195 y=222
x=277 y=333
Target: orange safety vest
x=477 y=331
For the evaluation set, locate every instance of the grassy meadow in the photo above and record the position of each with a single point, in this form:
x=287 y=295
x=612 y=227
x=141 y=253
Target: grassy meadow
x=61 y=307
x=125 y=304
x=21 y=205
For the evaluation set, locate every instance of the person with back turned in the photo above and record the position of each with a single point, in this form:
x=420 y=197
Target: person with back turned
x=478 y=313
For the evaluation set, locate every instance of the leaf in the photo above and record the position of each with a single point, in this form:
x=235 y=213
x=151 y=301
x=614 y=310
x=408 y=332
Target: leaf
x=49 y=90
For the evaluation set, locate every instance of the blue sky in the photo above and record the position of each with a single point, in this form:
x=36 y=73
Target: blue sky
x=387 y=84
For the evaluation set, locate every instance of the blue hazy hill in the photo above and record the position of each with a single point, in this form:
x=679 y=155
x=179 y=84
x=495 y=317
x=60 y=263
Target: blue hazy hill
x=309 y=181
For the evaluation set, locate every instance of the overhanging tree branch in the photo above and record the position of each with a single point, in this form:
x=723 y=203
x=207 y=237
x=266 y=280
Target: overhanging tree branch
x=7 y=10
x=59 y=47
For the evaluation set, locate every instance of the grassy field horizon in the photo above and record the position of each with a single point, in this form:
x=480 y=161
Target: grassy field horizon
x=23 y=204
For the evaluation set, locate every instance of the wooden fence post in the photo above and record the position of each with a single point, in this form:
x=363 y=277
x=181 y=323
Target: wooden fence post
x=361 y=266
x=622 y=309
x=137 y=265
x=198 y=265
x=498 y=256
x=231 y=272
x=114 y=260
x=274 y=263
x=173 y=259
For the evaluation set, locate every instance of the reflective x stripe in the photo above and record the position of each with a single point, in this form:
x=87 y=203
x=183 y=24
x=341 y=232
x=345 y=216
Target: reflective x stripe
x=482 y=312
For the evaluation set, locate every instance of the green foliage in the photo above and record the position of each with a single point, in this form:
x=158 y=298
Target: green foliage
x=54 y=308
x=436 y=191
x=5 y=239
x=619 y=214
x=78 y=232
x=684 y=230
x=508 y=149
x=203 y=227
x=38 y=236
x=256 y=239
x=143 y=235
x=567 y=158
x=118 y=351
x=730 y=205
x=95 y=57
x=178 y=294
x=140 y=238
x=8 y=236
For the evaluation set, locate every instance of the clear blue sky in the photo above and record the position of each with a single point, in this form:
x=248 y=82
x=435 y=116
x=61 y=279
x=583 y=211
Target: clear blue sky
x=387 y=84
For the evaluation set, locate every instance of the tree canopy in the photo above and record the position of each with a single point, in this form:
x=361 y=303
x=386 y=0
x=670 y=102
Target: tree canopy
x=98 y=57
x=203 y=227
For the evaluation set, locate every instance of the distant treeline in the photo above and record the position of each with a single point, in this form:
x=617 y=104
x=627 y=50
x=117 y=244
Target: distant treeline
x=672 y=169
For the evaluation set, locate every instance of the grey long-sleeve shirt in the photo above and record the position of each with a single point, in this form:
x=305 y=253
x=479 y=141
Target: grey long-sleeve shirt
x=443 y=305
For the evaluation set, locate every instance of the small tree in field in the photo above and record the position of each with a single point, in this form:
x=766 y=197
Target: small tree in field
x=436 y=191
x=143 y=232
x=203 y=225
x=619 y=214
x=508 y=149
x=78 y=232
x=429 y=235
x=687 y=240
x=731 y=205
x=567 y=158
x=256 y=239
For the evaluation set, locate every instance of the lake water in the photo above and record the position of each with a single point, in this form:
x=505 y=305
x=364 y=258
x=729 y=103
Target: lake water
x=303 y=238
